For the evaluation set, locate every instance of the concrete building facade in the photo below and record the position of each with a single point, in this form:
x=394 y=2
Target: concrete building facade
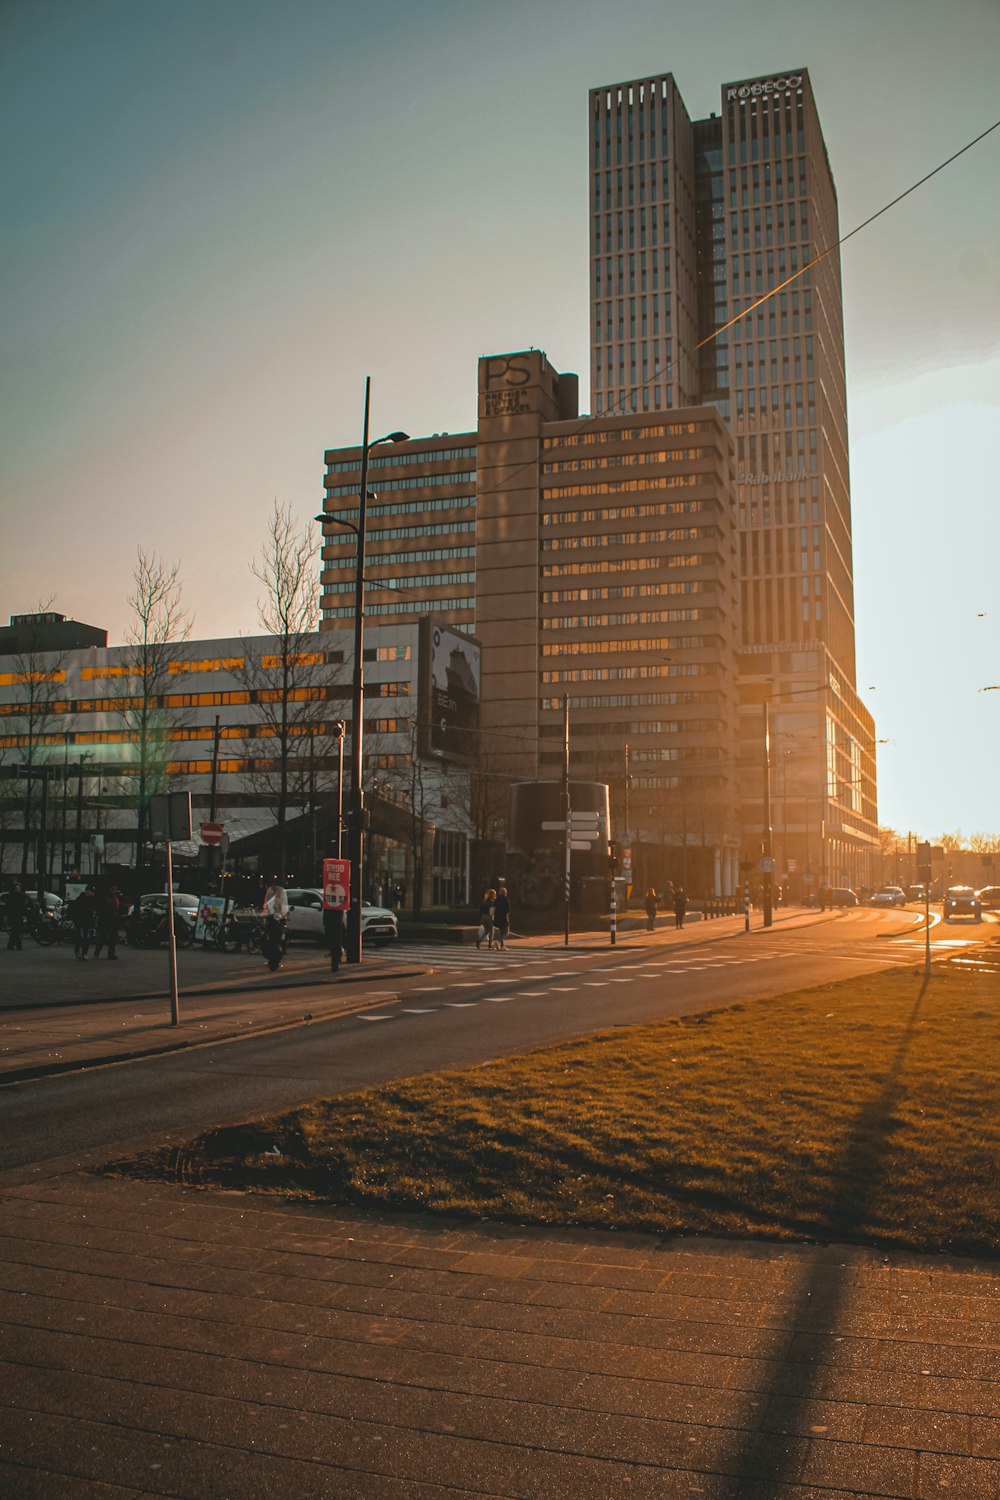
x=692 y=225
x=67 y=713
x=595 y=560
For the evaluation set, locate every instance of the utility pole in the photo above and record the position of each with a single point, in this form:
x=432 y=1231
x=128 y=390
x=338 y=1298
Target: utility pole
x=566 y=809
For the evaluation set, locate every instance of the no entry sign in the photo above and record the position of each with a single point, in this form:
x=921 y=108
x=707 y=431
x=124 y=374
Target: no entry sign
x=211 y=833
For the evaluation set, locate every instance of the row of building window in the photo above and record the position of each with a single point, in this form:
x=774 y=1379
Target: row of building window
x=626 y=460
x=619 y=674
x=629 y=434
x=606 y=648
x=423 y=581
x=406 y=607
x=630 y=538
x=410 y=482
x=376 y=510
x=391 y=457
x=635 y=617
x=639 y=564
x=21 y=679
x=133 y=704
x=628 y=591
x=626 y=486
x=627 y=512
x=633 y=700
x=399 y=559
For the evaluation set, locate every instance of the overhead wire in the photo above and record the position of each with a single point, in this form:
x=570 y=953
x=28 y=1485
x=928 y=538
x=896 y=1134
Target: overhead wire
x=660 y=375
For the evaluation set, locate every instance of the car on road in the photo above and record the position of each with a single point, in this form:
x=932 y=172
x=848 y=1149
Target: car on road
x=989 y=897
x=916 y=893
x=962 y=901
x=889 y=895
x=841 y=895
x=305 y=917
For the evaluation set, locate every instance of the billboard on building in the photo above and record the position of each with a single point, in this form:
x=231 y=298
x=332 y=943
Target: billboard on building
x=450 y=689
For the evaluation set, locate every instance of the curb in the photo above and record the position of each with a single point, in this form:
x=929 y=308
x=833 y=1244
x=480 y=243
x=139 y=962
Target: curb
x=186 y=1043
x=255 y=987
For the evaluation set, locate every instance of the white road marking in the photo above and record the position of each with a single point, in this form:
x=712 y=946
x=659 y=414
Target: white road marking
x=374 y=1018
x=413 y=1010
x=461 y=1004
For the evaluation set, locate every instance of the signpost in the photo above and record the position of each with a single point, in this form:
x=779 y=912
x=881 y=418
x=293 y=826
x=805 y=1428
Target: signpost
x=169 y=819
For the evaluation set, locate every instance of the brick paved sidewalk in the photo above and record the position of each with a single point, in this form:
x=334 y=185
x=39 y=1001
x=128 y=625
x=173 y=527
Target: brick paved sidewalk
x=163 y=1341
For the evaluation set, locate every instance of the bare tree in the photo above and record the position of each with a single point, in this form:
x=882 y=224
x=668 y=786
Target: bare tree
x=159 y=624
x=288 y=678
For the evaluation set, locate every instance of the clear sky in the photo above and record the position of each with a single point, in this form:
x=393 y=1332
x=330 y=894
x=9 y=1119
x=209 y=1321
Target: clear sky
x=218 y=216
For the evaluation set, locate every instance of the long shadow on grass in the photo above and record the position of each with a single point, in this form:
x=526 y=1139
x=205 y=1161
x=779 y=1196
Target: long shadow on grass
x=764 y=1465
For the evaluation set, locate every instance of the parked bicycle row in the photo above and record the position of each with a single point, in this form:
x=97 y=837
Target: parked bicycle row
x=100 y=922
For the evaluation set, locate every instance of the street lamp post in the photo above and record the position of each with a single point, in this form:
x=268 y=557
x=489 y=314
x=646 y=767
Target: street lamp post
x=356 y=811
x=768 y=859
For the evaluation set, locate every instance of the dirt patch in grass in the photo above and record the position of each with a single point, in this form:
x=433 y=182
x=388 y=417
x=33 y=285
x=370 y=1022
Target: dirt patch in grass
x=866 y=1111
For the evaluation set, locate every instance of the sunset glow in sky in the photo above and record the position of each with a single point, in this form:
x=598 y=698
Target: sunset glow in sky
x=218 y=218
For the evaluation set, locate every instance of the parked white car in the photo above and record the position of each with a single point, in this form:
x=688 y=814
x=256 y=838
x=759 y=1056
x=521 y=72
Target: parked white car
x=305 y=917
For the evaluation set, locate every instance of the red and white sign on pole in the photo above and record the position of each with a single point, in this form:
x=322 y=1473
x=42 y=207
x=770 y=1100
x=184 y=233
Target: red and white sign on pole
x=211 y=834
x=336 y=884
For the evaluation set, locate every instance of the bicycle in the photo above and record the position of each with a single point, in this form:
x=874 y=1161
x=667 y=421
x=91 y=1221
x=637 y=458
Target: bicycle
x=241 y=929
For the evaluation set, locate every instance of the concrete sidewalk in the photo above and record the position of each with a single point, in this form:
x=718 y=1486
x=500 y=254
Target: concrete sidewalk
x=164 y=1341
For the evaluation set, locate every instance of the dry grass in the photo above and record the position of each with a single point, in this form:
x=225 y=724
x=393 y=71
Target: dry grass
x=863 y=1111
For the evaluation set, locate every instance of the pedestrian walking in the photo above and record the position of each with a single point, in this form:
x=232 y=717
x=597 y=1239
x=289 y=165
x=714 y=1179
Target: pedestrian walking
x=485 y=932
x=275 y=914
x=501 y=917
x=680 y=906
x=17 y=908
x=651 y=909
x=82 y=912
x=333 y=927
x=109 y=911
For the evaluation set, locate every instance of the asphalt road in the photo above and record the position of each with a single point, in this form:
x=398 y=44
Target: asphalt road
x=473 y=1008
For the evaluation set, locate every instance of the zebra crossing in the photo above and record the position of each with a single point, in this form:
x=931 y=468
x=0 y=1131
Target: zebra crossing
x=496 y=966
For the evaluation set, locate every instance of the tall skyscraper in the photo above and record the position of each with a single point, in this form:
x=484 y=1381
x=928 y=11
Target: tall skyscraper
x=692 y=224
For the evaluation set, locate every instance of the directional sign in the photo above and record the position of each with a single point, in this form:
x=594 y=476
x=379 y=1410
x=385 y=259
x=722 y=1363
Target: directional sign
x=767 y=864
x=557 y=827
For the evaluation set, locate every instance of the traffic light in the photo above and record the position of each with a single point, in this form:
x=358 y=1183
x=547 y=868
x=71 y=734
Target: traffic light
x=613 y=858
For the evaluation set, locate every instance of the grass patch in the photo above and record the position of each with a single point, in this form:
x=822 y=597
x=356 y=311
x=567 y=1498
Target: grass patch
x=865 y=1111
